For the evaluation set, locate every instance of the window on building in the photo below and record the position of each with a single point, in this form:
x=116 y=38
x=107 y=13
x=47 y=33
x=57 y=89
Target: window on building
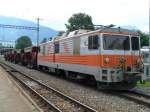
x=93 y=42
x=56 y=47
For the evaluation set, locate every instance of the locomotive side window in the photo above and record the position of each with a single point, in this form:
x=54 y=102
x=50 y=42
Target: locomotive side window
x=118 y=42
x=135 y=43
x=56 y=47
x=43 y=50
x=93 y=42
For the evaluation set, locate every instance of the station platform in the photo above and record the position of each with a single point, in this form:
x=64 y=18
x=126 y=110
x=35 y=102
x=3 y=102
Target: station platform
x=11 y=98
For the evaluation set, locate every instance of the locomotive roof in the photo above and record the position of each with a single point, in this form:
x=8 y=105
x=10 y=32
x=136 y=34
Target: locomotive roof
x=119 y=31
x=100 y=30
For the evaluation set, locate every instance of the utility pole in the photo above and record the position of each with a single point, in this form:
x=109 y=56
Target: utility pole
x=149 y=40
x=38 y=23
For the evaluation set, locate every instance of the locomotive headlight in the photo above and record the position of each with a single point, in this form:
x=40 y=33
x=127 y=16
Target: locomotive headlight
x=106 y=60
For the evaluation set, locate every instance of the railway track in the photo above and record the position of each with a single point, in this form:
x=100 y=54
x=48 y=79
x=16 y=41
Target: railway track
x=135 y=96
x=52 y=99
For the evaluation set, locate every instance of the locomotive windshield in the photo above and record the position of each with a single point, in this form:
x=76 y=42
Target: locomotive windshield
x=135 y=43
x=116 y=42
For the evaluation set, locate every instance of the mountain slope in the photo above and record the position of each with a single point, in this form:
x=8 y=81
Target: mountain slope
x=7 y=34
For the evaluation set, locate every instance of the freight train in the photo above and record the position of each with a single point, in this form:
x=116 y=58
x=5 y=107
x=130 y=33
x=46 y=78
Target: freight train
x=110 y=57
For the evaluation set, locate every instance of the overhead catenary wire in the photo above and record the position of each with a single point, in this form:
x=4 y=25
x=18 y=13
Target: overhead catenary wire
x=37 y=28
x=18 y=27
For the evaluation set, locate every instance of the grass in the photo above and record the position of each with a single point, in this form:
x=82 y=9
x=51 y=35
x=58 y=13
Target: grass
x=147 y=84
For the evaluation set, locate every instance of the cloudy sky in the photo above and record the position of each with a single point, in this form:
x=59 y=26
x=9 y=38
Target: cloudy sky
x=55 y=13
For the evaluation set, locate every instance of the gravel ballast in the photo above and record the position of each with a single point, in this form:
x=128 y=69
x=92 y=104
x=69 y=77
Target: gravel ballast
x=98 y=100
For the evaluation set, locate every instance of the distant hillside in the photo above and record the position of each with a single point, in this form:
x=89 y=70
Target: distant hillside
x=13 y=34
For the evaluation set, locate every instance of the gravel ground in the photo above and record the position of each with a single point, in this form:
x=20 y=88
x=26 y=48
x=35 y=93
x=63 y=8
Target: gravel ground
x=57 y=100
x=96 y=99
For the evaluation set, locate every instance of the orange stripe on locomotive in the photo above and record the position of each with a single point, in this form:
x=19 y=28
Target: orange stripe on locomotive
x=90 y=60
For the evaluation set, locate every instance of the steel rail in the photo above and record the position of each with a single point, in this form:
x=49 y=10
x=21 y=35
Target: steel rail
x=86 y=107
x=139 y=93
x=136 y=98
x=28 y=87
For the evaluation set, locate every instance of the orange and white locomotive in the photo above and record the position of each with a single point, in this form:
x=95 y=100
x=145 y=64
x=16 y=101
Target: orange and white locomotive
x=111 y=56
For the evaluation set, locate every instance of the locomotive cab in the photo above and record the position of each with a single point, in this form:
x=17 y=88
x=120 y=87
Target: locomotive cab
x=120 y=59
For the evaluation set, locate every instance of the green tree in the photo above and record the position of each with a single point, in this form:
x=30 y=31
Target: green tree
x=144 y=38
x=79 y=21
x=23 y=42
